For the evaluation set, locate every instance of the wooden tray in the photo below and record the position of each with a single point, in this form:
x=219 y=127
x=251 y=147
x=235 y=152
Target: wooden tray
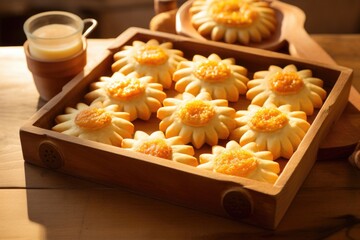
x=242 y=199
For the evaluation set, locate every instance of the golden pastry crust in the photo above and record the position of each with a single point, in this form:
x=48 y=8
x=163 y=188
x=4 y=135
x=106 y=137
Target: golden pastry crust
x=152 y=58
x=276 y=129
x=222 y=78
x=287 y=86
x=136 y=95
x=241 y=161
x=96 y=123
x=231 y=21
x=157 y=145
x=198 y=120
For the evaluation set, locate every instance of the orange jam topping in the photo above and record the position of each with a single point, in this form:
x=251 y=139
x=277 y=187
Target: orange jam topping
x=151 y=55
x=212 y=71
x=232 y=12
x=93 y=118
x=286 y=82
x=196 y=113
x=125 y=88
x=268 y=120
x=156 y=147
x=237 y=162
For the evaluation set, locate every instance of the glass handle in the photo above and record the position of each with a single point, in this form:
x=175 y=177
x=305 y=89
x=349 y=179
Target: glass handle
x=93 y=23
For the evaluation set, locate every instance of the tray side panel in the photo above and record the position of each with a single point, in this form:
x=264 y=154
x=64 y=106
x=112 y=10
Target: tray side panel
x=301 y=166
x=128 y=170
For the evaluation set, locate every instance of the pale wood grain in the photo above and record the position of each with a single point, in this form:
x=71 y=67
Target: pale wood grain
x=37 y=203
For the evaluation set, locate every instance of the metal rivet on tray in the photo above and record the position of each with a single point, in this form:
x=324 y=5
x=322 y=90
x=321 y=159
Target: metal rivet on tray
x=50 y=155
x=237 y=203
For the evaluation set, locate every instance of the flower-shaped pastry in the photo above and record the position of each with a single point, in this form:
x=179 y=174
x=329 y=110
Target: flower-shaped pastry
x=287 y=86
x=233 y=21
x=137 y=96
x=276 y=129
x=221 y=78
x=96 y=123
x=245 y=161
x=157 y=145
x=198 y=120
x=149 y=59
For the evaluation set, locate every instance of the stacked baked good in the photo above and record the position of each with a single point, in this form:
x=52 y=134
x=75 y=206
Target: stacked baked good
x=194 y=102
x=234 y=21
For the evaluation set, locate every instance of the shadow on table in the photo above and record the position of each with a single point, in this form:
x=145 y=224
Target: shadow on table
x=71 y=208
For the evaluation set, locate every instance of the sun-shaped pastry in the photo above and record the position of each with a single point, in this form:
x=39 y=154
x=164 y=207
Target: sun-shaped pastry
x=152 y=58
x=287 y=86
x=96 y=123
x=137 y=96
x=157 y=145
x=242 y=21
x=276 y=129
x=221 y=78
x=241 y=161
x=198 y=120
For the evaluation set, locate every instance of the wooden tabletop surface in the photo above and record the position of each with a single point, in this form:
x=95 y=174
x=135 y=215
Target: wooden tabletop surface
x=37 y=203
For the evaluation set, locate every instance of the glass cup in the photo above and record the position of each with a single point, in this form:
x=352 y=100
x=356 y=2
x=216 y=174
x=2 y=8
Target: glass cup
x=55 y=49
x=56 y=35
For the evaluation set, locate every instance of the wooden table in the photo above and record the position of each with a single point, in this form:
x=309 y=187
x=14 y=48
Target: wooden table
x=37 y=203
